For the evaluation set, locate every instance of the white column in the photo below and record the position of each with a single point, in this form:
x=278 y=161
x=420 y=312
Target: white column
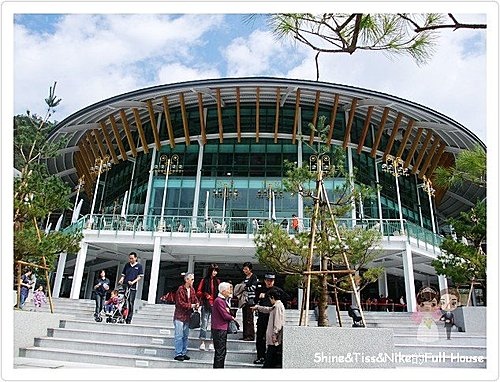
x=411 y=298
x=351 y=174
x=87 y=293
x=379 y=202
x=443 y=282
x=190 y=264
x=155 y=271
x=78 y=272
x=141 y=283
x=197 y=187
x=382 y=284
x=59 y=274
x=300 y=160
x=148 y=192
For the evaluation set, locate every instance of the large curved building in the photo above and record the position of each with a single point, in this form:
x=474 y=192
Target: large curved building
x=176 y=155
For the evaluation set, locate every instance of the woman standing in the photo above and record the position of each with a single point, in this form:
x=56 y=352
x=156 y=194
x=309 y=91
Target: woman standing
x=206 y=293
x=220 y=321
x=101 y=287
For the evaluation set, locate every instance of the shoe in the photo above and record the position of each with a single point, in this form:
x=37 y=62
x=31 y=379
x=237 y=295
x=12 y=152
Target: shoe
x=211 y=347
x=186 y=357
x=259 y=361
x=179 y=358
x=202 y=346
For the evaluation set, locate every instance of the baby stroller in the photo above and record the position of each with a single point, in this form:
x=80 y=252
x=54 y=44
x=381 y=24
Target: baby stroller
x=119 y=311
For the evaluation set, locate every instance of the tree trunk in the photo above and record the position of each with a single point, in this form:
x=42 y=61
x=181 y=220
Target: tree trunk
x=323 y=297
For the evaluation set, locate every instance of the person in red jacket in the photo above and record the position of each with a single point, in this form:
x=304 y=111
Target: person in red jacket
x=185 y=302
x=206 y=293
x=220 y=321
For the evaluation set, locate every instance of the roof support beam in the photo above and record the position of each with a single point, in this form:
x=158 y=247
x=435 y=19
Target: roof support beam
x=333 y=116
x=90 y=143
x=393 y=135
x=201 y=112
x=107 y=138
x=277 y=115
x=219 y=115
x=422 y=152
x=364 y=133
x=315 y=117
x=406 y=136
x=379 y=132
x=435 y=160
x=428 y=158
x=296 y=118
x=257 y=114
x=238 y=114
x=98 y=139
x=126 y=127
x=138 y=123
x=152 y=118
x=168 y=121
x=185 y=123
x=413 y=147
x=352 y=111
x=118 y=137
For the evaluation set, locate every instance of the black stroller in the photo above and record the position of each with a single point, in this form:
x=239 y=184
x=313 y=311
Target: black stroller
x=119 y=311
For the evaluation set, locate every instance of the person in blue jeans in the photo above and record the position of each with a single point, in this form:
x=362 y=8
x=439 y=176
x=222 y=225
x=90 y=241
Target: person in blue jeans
x=206 y=293
x=131 y=275
x=185 y=302
x=26 y=285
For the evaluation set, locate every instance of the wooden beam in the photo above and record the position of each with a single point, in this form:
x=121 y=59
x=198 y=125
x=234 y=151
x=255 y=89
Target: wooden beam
x=414 y=146
x=107 y=138
x=333 y=116
x=428 y=158
x=219 y=115
x=364 y=133
x=168 y=120
x=201 y=112
x=347 y=135
x=435 y=160
x=394 y=132
x=277 y=115
x=257 y=114
x=297 y=114
x=93 y=147
x=406 y=136
x=87 y=158
x=98 y=138
x=238 y=114
x=315 y=118
x=118 y=137
x=152 y=118
x=126 y=126
x=422 y=151
x=138 y=123
x=380 y=130
x=185 y=122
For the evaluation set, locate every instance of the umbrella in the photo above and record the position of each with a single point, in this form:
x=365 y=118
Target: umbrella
x=76 y=212
x=123 y=214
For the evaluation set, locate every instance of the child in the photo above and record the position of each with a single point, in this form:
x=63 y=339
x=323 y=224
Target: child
x=112 y=302
x=39 y=297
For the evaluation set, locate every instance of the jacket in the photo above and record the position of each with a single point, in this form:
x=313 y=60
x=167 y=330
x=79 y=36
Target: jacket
x=183 y=304
x=275 y=323
x=220 y=315
x=207 y=297
x=240 y=292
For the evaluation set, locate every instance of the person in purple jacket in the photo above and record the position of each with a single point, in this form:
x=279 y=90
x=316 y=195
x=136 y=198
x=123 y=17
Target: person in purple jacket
x=221 y=317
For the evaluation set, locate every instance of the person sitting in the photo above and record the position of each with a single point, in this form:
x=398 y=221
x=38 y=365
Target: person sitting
x=111 y=303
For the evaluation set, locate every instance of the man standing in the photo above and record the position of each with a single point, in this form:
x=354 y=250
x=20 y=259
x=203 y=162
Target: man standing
x=250 y=283
x=262 y=297
x=185 y=302
x=131 y=274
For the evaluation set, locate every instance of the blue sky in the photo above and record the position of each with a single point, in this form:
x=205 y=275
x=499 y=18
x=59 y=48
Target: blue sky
x=96 y=56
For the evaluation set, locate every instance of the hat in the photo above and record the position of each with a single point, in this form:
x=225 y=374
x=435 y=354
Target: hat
x=269 y=276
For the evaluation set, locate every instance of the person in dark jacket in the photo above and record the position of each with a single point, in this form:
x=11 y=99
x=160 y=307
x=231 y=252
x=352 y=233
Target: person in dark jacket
x=101 y=287
x=262 y=298
x=221 y=317
x=250 y=282
x=449 y=301
x=185 y=302
x=131 y=275
x=207 y=292
x=26 y=285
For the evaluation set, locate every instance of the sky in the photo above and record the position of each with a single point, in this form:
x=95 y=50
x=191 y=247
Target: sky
x=94 y=56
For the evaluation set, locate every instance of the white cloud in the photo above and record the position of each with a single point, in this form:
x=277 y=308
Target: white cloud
x=177 y=72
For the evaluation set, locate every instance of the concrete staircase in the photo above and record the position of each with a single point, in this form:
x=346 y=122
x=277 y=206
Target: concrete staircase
x=149 y=341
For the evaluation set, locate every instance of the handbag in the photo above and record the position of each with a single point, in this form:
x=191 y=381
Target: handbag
x=194 y=320
x=233 y=327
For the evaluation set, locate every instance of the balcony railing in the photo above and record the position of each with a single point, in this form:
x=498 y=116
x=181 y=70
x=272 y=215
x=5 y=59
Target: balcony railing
x=189 y=225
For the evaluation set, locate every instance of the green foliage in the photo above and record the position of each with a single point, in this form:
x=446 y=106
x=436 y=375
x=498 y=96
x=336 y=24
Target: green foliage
x=470 y=166
x=37 y=194
x=465 y=261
